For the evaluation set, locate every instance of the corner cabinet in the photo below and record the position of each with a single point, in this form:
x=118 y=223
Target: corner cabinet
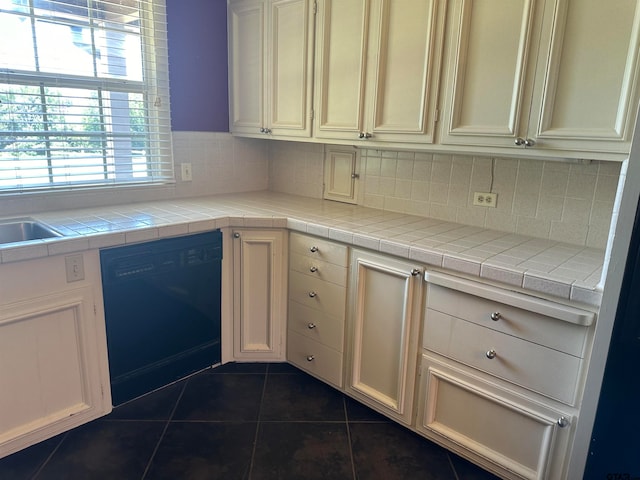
x=54 y=372
x=554 y=77
x=383 y=330
x=270 y=67
x=377 y=69
x=259 y=294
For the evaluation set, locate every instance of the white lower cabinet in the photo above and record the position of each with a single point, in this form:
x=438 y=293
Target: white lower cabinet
x=53 y=359
x=383 y=330
x=259 y=295
x=317 y=299
x=501 y=376
x=498 y=429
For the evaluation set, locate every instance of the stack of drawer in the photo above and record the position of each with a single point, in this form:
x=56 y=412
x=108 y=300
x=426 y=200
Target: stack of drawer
x=317 y=301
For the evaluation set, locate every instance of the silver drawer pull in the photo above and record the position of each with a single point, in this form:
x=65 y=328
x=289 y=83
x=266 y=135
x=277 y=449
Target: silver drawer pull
x=563 y=422
x=313 y=269
x=313 y=294
x=495 y=316
x=313 y=249
x=311 y=326
x=310 y=358
x=491 y=354
x=415 y=272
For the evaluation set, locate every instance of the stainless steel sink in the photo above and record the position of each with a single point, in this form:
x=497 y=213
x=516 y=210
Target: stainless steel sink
x=24 y=229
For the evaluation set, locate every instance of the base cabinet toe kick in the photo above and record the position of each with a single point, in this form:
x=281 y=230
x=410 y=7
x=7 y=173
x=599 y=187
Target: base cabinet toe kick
x=492 y=374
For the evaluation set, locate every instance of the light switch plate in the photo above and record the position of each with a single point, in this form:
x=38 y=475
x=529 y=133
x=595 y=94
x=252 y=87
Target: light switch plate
x=187 y=175
x=75 y=268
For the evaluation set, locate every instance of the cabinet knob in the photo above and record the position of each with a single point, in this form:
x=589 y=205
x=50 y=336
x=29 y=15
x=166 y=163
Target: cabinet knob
x=491 y=354
x=355 y=175
x=495 y=316
x=563 y=422
x=529 y=142
x=415 y=272
x=313 y=249
x=262 y=130
x=313 y=294
x=519 y=141
x=313 y=269
x=310 y=358
x=311 y=326
x=236 y=235
x=365 y=135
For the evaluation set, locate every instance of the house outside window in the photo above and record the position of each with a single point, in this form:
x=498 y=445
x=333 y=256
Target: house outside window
x=83 y=94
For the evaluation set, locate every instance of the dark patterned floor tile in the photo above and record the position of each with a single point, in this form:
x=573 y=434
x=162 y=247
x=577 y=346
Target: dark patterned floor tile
x=225 y=398
x=237 y=367
x=469 y=471
x=202 y=450
x=156 y=405
x=283 y=368
x=302 y=451
x=25 y=463
x=384 y=451
x=104 y=450
x=300 y=397
x=357 y=412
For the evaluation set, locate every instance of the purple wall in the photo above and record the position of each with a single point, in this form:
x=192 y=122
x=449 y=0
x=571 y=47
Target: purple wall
x=197 y=35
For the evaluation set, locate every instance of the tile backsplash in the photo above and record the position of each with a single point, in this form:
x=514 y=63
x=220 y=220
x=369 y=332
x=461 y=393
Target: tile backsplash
x=564 y=201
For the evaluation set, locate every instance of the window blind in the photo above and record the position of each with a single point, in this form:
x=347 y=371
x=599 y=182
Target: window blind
x=84 y=94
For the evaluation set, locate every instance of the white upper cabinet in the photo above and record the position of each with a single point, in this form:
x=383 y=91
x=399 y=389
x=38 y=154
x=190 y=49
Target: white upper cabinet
x=555 y=77
x=270 y=65
x=377 y=69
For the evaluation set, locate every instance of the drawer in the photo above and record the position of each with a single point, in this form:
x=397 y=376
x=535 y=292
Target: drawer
x=532 y=366
x=319 y=248
x=317 y=294
x=496 y=427
x=317 y=325
x=535 y=327
x=317 y=268
x=315 y=358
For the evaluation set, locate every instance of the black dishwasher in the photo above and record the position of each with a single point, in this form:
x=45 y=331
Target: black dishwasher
x=162 y=309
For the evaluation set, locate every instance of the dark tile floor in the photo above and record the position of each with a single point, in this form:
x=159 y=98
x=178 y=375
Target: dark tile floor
x=240 y=421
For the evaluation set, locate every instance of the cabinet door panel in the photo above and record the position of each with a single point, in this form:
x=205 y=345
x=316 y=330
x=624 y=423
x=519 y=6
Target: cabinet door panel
x=385 y=305
x=340 y=67
x=491 y=48
x=340 y=178
x=404 y=59
x=246 y=59
x=258 y=295
x=587 y=95
x=289 y=40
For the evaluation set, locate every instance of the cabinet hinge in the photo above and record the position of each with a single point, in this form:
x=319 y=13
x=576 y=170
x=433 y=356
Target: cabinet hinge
x=312 y=114
x=315 y=7
x=436 y=115
x=95 y=309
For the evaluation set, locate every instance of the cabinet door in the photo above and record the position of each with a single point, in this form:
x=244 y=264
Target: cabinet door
x=259 y=294
x=53 y=368
x=246 y=23
x=491 y=47
x=383 y=332
x=506 y=433
x=341 y=46
x=340 y=174
x=290 y=58
x=585 y=97
x=403 y=69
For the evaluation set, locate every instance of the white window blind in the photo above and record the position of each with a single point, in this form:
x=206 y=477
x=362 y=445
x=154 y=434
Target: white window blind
x=84 y=94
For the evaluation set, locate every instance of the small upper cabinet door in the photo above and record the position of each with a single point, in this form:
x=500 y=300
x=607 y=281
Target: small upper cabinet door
x=377 y=69
x=585 y=98
x=270 y=60
x=341 y=176
x=491 y=47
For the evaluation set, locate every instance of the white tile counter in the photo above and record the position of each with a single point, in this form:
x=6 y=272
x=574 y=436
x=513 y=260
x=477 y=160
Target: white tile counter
x=544 y=266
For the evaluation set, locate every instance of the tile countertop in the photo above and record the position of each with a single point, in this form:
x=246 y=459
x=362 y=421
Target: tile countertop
x=552 y=268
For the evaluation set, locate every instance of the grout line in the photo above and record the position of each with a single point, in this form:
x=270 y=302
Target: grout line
x=255 y=438
x=39 y=470
x=164 y=431
x=346 y=422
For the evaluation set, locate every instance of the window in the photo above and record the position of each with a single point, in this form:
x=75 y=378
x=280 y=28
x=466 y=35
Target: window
x=83 y=94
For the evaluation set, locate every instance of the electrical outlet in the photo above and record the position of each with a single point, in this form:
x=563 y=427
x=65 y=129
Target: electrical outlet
x=75 y=268
x=186 y=172
x=485 y=199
